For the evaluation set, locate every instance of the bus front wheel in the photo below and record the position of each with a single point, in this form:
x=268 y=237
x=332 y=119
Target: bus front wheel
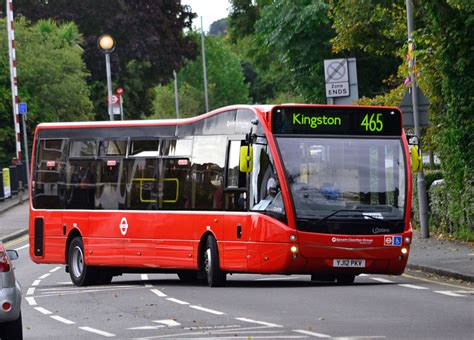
x=215 y=277
x=81 y=274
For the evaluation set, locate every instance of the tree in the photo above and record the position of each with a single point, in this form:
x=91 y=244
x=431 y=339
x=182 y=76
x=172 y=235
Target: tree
x=149 y=32
x=451 y=40
x=219 y=27
x=51 y=75
x=298 y=35
x=225 y=83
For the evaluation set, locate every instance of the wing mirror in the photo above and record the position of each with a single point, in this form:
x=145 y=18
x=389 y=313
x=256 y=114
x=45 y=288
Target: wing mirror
x=246 y=160
x=12 y=254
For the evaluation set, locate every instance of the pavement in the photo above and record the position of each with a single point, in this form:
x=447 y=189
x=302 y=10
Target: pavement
x=434 y=255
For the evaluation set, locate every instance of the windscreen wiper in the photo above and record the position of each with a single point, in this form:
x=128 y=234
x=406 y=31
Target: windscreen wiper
x=361 y=213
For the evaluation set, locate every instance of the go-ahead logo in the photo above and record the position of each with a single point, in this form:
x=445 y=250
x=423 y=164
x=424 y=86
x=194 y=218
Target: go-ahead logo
x=123 y=226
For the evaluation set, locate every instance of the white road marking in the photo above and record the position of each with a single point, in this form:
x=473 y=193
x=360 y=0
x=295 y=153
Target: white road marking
x=44 y=276
x=259 y=322
x=31 y=301
x=207 y=310
x=407 y=285
x=449 y=293
x=73 y=292
x=361 y=275
x=30 y=291
x=318 y=335
x=178 y=301
x=63 y=320
x=157 y=292
x=168 y=322
x=96 y=331
x=22 y=247
x=43 y=310
x=379 y=279
x=55 y=269
x=36 y=282
x=145 y=328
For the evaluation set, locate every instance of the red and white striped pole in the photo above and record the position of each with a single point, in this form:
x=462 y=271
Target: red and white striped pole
x=13 y=80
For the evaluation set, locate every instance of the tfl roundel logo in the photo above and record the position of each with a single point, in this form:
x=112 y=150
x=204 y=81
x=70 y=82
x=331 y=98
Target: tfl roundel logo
x=123 y=226
x=392 y=241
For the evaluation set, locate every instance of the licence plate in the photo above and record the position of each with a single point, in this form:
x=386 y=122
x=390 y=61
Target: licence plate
x=348 y=263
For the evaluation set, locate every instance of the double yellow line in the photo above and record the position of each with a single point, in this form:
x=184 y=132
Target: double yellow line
x=14 y=242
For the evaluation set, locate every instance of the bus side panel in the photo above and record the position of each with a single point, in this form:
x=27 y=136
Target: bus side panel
x=237 y=228
x=177 y=242
x=269 y=246
x=54 y=240
x=104 y=241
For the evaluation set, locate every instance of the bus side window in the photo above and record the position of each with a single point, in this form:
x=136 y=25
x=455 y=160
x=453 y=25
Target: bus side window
x=175 y=188
x=49 y=174
x=207 y=169
x=81 y=175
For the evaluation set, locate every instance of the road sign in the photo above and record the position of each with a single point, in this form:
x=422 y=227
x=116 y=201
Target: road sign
x=22 y=108
x=335 y=71
x=406 y=105
x=336 y=74
x=115 y=99
x=337 y=90
x=120 y=91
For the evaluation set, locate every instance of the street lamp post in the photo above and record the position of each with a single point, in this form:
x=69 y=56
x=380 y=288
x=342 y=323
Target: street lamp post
x=107 y=45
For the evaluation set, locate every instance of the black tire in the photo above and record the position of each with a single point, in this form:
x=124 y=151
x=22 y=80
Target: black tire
x=80 y=273
x=345 y=279
x=188 y=276
x=322 y=277
x=215 y=277
x=12 y=330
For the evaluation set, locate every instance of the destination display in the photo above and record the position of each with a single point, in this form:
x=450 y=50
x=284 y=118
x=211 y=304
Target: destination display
x=336 y=121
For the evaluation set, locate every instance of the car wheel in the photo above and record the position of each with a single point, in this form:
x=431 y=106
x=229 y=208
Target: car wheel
x=81 y=274
x=215 y=277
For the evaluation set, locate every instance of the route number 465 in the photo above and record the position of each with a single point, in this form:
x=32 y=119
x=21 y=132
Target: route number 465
x=372 y=122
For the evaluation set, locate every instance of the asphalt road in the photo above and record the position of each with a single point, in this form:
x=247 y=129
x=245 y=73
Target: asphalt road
x=250 y=307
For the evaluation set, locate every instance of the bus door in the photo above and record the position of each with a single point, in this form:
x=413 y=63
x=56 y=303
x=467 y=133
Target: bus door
x=237 y=221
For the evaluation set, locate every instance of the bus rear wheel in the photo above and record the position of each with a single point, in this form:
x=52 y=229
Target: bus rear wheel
x=215 y=277
x=81 y=274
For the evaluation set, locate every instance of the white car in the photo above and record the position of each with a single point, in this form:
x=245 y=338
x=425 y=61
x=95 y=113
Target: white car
x=10 y=297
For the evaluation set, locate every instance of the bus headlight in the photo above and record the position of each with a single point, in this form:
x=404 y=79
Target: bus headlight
x=292 y=237
x=407 y=240
x=404 y=251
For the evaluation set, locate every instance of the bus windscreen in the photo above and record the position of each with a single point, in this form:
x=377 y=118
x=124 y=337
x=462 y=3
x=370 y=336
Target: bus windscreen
x=336 y=121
